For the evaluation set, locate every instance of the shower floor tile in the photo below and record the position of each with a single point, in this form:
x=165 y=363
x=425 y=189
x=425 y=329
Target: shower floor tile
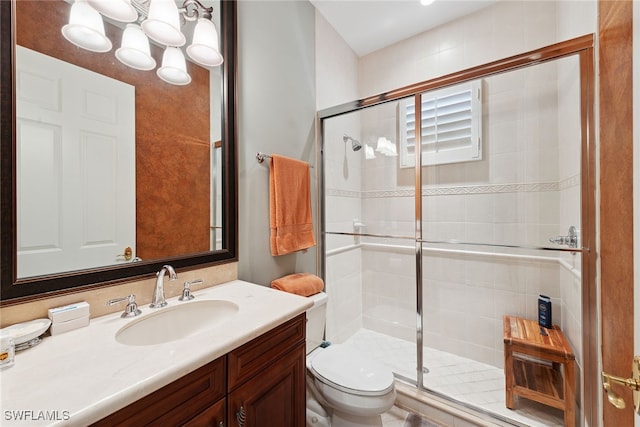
x=467 y=381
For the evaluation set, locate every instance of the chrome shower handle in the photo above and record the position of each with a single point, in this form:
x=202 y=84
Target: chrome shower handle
x=563 y=240
x=570 y=240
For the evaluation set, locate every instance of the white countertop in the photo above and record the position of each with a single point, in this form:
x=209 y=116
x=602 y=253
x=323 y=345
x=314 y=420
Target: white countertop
x=81 y=376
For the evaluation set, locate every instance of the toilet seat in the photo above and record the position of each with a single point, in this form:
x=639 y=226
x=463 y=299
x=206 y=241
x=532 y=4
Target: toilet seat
x=348 y=371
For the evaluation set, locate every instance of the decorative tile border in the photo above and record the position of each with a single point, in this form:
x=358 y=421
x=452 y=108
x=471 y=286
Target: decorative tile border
x=491 y=189
x=573 y=181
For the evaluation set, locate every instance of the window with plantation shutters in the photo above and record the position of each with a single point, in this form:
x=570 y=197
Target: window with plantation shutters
x=451 y=126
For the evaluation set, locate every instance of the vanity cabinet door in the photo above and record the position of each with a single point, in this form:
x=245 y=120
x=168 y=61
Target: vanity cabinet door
x=266 y=378
x=274 y=398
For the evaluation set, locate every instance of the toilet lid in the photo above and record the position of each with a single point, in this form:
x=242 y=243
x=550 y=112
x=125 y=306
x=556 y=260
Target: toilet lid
x=347 y=370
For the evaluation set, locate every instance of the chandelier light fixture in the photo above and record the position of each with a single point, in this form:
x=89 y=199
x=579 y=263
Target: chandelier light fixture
x=158 y=20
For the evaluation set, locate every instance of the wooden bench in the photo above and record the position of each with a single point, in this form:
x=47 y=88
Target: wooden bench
x=533 y=358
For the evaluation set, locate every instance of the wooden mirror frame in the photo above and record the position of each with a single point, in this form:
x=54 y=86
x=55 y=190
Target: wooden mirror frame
x=14 y=290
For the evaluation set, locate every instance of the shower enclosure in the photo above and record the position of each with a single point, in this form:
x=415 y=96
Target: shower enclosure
x=451 y=203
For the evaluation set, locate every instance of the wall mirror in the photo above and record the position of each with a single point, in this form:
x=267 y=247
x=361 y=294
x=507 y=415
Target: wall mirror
x=69 y=217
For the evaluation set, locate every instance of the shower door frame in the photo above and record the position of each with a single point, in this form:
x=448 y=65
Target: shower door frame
x=583 y=47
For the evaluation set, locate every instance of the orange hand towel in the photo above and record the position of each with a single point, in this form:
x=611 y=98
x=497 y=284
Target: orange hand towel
x=290 y=205
x=304 y=284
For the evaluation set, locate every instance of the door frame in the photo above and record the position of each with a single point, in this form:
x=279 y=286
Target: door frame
x=616 y=243
x=636 y=178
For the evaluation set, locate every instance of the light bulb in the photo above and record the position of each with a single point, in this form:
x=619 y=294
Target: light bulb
x=120 y=10
x=204 y=47
x=134 y=51
x=368 y=152
x=174 y=67
x=85 y=28
x=163 y=23
x=386 y=147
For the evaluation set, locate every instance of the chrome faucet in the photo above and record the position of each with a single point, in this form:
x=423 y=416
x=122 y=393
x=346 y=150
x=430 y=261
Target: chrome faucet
x=158 y=293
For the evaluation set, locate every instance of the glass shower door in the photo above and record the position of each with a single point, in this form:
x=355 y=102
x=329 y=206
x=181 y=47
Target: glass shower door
x=370 y=263
x=496 y=227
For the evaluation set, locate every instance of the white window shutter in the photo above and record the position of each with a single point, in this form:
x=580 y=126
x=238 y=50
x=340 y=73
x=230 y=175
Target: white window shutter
x=451 y=126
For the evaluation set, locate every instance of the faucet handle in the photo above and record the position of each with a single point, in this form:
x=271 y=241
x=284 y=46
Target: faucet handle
x=131 y=310
x=186 y=292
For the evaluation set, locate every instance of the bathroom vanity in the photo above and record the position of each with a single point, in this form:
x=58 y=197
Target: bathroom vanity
x=260 y=383
x=249 y=366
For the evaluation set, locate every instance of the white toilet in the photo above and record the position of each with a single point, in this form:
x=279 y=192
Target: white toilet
x=344 y=388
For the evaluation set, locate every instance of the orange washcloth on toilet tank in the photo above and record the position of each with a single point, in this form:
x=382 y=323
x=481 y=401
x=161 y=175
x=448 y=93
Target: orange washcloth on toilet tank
x=304 y=284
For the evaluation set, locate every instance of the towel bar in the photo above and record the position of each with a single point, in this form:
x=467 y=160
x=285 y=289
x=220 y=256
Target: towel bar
x=260 y=156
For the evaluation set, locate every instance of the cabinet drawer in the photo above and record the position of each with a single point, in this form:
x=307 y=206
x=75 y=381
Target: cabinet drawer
x=256 y=355
x=177 y=402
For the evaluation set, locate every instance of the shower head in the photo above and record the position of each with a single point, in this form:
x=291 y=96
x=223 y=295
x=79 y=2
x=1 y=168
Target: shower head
x=355 y=144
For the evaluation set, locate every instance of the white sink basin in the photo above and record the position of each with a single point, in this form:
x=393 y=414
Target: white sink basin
x=176 y=322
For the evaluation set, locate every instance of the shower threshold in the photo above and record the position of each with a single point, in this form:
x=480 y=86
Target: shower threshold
x=460 y=380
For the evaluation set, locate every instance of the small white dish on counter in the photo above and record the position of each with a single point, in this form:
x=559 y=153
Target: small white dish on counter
x=27 y=334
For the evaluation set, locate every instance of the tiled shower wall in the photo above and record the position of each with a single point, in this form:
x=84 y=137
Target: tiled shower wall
x=465 y=296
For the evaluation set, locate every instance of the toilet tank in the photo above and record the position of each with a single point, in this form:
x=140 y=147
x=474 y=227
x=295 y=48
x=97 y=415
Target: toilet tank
x=316 y=317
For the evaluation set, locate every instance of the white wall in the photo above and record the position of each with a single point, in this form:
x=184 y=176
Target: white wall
x=336 y=67
x=276 y=114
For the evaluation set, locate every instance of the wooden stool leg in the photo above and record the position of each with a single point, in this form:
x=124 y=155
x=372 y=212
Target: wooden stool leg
x=569 y=394
x=508 y=376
